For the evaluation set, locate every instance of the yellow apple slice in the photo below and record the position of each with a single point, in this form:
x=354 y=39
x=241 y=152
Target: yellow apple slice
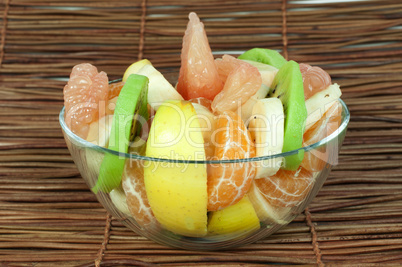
x=177 y=192
x=134 y=68
x=239 y=218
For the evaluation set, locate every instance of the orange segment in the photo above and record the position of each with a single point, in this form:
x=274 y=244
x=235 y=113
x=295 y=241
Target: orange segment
x=85 y=96
x=315 y=159
x=242 y=80
x=115 y=88
x=315 y=79
x=134 y=188
x=198 y=74
x=286 y=188
x=228 y=183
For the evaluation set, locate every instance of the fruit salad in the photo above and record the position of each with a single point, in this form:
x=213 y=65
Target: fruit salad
x=222 y=113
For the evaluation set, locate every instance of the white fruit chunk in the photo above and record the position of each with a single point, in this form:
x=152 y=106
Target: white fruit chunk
x=265 y=211
x=267 y=72
x=99 y=131
x=247 y=108
x=159 y=89
x=267 y=75
x=207 y=127
x=319 y=103
x=267 y=130
x=119 y=200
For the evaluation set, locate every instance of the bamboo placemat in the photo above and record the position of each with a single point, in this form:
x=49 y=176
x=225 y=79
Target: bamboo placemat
x=48 y=217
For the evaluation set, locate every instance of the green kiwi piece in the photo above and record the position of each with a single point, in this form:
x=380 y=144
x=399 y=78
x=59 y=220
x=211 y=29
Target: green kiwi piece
x=266 y=56
x=130 y=106
x=288 y=87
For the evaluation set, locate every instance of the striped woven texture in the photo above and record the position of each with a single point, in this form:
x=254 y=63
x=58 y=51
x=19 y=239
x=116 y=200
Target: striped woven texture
x=48 y=216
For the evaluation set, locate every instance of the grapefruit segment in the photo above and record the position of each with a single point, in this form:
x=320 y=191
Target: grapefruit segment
x=315 y=79
x=316 y=159
x=242 y=80
x=198 y=75
x=84 y=69
x=85 y=96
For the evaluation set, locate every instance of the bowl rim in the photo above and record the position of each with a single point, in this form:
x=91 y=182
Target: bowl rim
x=86 y=144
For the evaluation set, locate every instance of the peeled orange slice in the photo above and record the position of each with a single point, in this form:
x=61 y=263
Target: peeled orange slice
x=229 y=182
x=114 y=89
x=286 y=188
x=265 y=211
x=134 y=188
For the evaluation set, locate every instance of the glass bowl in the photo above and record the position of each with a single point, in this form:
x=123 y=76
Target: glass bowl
x=236 y=229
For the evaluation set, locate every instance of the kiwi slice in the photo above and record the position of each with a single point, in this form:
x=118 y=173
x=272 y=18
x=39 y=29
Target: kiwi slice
x=266 y=56
x=288 y=87
x=131 y=103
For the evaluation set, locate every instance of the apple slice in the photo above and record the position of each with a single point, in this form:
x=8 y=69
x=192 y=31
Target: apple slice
x=177 y=192
x=159 y=89
x=135 y=67
x=319 y=103
x=238 y=219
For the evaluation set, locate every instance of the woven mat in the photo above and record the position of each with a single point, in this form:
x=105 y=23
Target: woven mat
x=48 y=217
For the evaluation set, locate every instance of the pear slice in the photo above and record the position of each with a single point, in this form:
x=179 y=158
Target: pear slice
x=130 y=111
